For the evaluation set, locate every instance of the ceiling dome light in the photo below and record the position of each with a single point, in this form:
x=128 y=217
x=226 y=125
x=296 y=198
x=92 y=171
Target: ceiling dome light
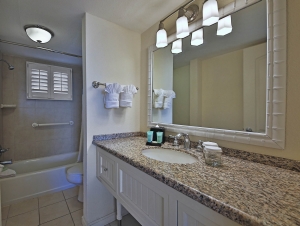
x=38 y=33
x=177 y=46
x=224 y=26
x=161 y=36
x=182 y=26
x=210 y=12
x=197 y=37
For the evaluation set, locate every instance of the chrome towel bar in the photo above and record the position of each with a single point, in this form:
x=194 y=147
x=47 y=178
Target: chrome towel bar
x=96 y=85
x=52 y=124
x=8 y=106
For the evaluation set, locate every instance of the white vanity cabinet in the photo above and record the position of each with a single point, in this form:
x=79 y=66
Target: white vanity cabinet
x=150 y=201
x=106 y=170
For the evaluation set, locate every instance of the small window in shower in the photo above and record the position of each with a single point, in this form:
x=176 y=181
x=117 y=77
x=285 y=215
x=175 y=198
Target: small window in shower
x=48 y=82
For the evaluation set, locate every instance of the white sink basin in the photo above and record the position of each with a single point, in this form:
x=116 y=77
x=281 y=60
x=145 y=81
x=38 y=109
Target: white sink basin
x=168 y=155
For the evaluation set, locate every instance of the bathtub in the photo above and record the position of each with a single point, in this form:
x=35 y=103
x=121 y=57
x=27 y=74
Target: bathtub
x=36 y=177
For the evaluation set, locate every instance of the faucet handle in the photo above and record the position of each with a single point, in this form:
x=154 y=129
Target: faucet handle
x=175 y=142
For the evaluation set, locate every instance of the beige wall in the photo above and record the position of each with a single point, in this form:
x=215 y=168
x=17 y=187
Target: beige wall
x=222 y=91
x=163 y=79
x=1 y=122
x=181 y=104
x=24 y=141
x=110 y=54
x=292 y=150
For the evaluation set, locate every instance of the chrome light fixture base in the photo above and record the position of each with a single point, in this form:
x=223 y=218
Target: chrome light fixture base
x=191 y=12
x=38 y=33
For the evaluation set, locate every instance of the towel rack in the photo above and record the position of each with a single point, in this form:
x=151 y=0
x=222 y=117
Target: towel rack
x=8 y=106
x=52 y=124
x=96 y=85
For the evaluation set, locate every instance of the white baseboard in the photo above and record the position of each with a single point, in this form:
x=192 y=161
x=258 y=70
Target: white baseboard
x=101 y=221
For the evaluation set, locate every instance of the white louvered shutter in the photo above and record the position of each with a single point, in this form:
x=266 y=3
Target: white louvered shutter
x=38 y=80
x=48 y=82
x=61 y=83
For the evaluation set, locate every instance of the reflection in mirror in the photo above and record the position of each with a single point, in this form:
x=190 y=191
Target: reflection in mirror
x=221 y=83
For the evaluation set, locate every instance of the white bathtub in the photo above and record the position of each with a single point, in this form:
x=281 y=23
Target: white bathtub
x=37 y=177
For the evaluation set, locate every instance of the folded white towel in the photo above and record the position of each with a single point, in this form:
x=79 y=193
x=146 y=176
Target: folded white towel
x=111 y=97
x=169 y=95
x=7 y=173
x=126 y=96
x=158 y=98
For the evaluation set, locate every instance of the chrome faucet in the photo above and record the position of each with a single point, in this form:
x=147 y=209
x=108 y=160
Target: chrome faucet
x=2 y=150
x=186 y=140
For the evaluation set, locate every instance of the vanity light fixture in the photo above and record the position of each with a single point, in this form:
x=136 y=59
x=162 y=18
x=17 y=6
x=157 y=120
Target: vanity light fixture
x=182 y=26
x=210 y=12
x=197 y=37
x=224 y=26
x=185 y=16
x=38 y=33
x=161 y=36
x=177 y=46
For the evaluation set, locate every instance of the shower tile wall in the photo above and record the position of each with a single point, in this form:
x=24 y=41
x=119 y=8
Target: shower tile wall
x=24 y=141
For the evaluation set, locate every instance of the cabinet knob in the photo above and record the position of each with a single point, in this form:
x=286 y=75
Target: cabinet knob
x=105 y=169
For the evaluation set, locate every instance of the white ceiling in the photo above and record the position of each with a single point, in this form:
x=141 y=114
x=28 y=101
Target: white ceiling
x=64 y=18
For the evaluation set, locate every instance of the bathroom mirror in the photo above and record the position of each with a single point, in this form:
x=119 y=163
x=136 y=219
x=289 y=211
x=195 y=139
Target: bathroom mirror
x=231 y=87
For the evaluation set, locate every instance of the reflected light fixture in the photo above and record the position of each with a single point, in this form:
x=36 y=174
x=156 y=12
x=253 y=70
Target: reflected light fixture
x=210 y=12
x=197 y=37
x=182 y=26
x=38 y=33
x=224 y=26
x=161 y=36
x=177 y=46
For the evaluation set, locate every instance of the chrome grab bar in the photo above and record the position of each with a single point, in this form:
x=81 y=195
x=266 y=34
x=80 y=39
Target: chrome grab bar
x=52 y=124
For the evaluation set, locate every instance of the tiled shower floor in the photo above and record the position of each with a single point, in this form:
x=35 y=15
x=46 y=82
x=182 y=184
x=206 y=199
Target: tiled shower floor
x=57 y=209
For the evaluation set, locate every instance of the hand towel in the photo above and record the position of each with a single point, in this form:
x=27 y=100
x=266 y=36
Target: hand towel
x=158 y=98
x=169 y=95
x=111 y=97
x=126 y=96
x=7 y=173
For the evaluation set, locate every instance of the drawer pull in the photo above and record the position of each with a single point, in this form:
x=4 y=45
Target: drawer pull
x=105 y=169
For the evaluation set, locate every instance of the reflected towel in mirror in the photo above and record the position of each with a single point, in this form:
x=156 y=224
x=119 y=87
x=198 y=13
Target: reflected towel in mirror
x=169 y=95
x=158 y=98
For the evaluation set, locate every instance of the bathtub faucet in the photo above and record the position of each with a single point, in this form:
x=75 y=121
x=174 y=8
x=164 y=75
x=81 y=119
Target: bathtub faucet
x=6 y=162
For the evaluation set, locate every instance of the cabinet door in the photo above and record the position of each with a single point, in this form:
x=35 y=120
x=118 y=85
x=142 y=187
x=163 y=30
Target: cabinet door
x=141 y=197
x=189 y=217
x=106 y=171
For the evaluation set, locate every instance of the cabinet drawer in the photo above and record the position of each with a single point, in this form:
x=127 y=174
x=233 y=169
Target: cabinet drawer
x=106 y=169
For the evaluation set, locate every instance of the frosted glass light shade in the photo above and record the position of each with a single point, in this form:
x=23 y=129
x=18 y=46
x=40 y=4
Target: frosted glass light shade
x=177 y=46
x=161 y=38
x=197 y=37
x=38 y=34
x=210 y=12
x=182 y=27
x=224 y=26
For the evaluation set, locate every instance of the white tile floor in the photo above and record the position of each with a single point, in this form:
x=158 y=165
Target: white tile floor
x=57 y=209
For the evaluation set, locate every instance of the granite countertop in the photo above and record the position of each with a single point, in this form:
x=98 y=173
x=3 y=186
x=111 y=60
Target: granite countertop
x=246 y=192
